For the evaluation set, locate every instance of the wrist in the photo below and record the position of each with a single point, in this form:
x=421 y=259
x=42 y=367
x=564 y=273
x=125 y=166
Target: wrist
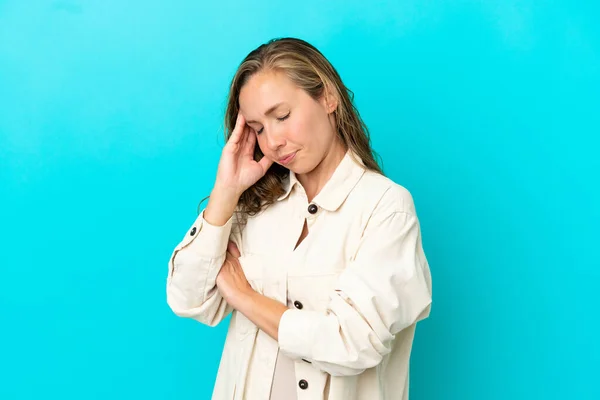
x=226 y=193
x=221 y=206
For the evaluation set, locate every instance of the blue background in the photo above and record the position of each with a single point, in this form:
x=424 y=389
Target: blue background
x=110 y=133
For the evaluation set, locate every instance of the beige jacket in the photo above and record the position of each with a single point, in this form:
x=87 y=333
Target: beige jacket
x=360 y=282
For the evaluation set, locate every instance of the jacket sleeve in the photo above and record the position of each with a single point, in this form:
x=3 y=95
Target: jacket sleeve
x=385 y=289
x=193 y=268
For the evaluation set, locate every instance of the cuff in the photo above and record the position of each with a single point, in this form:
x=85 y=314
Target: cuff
x=295 y=334
x=210 y=241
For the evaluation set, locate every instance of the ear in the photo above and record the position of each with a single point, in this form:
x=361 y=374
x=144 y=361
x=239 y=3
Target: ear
x=329 y=99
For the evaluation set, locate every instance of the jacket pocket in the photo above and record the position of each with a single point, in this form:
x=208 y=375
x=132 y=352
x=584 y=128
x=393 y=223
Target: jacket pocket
x=243 y=326
x=254 y=269
x=313 y=291
x=245 y=333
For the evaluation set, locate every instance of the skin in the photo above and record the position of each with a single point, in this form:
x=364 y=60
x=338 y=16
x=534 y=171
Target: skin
x=298 y=124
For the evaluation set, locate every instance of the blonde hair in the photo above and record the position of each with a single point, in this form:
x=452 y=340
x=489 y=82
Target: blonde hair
x=304 y=65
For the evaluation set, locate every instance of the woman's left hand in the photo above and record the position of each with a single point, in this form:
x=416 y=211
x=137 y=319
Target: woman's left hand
x=263 y=311
x=231 y=280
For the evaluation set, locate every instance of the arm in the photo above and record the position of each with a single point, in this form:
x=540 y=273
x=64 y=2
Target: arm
x=384 y=290
x=196 y=261
x=263 y=311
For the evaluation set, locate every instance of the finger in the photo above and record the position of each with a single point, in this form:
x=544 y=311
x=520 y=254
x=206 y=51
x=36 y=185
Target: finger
x=249 y=143
x=229 y=256
x=238 y=130
x=233 y=249
x=265 y=163
x=232 y=266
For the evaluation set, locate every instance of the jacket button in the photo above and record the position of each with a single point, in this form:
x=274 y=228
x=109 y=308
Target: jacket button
x=193 y=231
x=303 y=384
x=312 y=208
x=298 y=305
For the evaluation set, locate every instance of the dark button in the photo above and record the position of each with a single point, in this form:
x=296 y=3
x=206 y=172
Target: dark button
x=298 y=305
x=312 y=208
x=306 y=361
x=193 y=231
x=303 y=384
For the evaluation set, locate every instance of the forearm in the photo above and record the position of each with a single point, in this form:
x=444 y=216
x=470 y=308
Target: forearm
x=210 y=312
x=193 y=268
x=263 y=311
x=221 y=205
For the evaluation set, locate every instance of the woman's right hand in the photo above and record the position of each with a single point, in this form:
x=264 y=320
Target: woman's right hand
x=237 y=171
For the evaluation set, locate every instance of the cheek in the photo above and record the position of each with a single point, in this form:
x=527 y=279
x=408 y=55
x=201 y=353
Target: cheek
x=301 y=130
x=262 y=145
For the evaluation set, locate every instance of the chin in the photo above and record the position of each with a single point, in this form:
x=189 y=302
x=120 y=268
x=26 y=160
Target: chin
x=301 y=168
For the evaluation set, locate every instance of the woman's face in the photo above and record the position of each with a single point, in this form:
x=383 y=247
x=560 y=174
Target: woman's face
x=292 y=128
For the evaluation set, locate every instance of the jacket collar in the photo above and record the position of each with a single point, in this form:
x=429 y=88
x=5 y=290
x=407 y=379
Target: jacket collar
x=338 y=187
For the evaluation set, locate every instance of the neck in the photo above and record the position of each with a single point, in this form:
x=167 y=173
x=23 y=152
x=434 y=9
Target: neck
x=313 y=181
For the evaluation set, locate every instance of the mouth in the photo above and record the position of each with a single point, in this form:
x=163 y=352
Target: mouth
x=287 y=159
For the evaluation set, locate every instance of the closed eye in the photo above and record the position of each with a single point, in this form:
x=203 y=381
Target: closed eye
x=259 y=131
x=284 y=117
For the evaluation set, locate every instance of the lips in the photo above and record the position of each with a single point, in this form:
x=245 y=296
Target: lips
x=286 y=159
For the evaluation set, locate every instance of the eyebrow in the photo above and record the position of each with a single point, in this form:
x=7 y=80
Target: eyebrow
x=269 y=111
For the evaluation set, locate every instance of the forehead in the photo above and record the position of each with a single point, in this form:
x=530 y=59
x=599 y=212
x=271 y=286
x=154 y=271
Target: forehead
x=265 y=89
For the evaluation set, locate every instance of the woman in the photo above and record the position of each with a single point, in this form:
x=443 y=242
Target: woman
x=312 y=249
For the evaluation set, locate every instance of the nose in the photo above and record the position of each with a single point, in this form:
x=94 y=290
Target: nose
x=275 y=140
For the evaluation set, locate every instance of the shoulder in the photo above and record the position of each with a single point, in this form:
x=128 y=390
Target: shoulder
x=387 y=196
